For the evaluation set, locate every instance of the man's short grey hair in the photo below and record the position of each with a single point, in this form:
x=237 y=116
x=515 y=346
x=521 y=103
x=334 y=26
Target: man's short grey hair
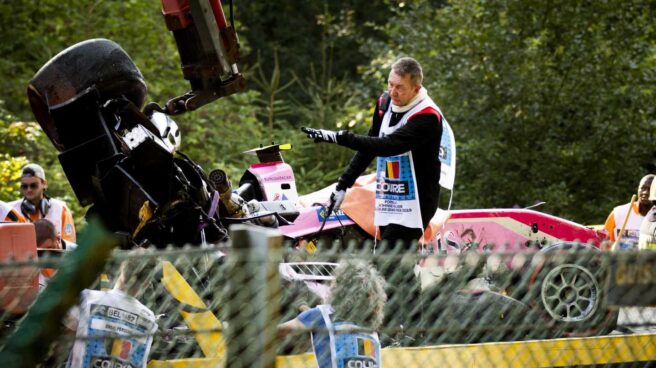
x=409 y=66
x=358 y=294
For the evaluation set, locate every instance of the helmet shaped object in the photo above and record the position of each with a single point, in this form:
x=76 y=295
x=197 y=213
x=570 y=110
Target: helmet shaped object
x=98 y=65
x=168 y=130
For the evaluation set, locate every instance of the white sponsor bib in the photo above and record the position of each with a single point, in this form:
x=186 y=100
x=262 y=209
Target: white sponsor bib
x=397 y=198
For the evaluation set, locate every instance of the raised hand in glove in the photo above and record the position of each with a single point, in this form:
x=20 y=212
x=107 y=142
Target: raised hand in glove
x=321 y=135
x=336 y=199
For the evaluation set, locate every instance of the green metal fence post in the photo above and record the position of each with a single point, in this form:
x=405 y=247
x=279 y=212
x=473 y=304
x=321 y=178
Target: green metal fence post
x=253 y=296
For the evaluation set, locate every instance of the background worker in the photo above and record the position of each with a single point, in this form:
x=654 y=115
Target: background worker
x=46 y=235
x=35 y=204
x=47 y=240
x=647 y=238
x=636 y=213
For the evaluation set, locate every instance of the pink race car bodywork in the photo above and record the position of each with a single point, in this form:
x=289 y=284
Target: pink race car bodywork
x=310 y=219
x=506 y=230
x=569 y=294
x=489 y=230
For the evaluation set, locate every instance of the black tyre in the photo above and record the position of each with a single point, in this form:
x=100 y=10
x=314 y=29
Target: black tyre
x=98 y=63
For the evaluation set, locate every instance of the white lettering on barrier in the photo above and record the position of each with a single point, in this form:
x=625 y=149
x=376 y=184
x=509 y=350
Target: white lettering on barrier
x=109 y=363
x=360 y=363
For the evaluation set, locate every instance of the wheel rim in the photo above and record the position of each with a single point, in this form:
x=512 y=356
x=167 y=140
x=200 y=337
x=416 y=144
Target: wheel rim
x=570 y=293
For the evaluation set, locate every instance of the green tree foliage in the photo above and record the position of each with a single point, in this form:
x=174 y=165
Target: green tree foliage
x=316 y=48
x=271 y=88
x=34 y=33
x=320 y=47
x=549 y=100
x=332 y=34
x=18 y=136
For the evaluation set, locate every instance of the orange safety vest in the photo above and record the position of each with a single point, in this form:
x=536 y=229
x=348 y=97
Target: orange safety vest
x=58 y=214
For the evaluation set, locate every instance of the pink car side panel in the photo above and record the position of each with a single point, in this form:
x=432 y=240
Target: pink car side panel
x=272 y=176
x=536 y=222
x=309 y=222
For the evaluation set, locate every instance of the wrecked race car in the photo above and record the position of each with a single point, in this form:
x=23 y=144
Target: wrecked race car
x=548 y=264
x=120 y=154
x=88 y=99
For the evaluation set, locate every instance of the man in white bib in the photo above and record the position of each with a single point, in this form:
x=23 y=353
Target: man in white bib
x=113 y=328
x=344 y=330
x=405 y=138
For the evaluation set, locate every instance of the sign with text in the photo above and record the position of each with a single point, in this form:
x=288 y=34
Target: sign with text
x=633 y=279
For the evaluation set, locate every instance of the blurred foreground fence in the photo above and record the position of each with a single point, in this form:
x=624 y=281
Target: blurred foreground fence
x=562 y=305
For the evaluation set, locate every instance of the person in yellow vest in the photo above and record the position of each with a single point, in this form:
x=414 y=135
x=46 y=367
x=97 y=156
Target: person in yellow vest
x=647 y=238
x=636 y=212
x=9 y=214
x=35 y=204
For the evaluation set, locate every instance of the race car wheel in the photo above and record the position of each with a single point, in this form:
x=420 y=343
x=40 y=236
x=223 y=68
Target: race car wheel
x=570 y=293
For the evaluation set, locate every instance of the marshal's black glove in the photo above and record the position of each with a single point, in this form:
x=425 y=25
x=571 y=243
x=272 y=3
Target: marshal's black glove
x=321 y=135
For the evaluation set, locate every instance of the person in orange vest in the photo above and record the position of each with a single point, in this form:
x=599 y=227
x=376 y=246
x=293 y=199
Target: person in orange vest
x=636 y=213
x=35 y=204
x=9 y=214
x=46 y=239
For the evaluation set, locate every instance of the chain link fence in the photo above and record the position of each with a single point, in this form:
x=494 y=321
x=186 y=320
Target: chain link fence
x=228 y=304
